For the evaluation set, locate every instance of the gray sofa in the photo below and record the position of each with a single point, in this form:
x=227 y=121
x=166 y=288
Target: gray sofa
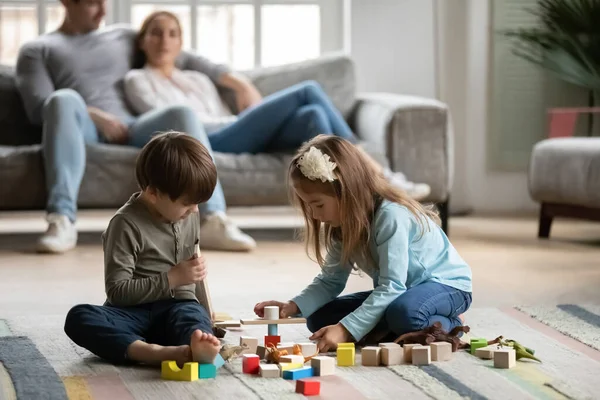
x=409 y=134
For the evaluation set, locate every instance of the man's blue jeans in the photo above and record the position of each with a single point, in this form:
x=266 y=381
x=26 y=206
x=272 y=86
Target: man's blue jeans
x=68 y=128
x=283 y=121
x=417 y=308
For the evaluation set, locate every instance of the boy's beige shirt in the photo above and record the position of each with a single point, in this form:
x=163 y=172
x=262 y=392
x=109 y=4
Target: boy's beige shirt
x=139 y=250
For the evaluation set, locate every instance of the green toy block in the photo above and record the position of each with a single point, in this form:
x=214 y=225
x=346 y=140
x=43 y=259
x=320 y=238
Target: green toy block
x=477 y=344
x=207 y=371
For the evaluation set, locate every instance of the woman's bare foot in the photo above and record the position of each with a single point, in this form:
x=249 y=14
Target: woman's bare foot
x=154 y=354
x=205 y=347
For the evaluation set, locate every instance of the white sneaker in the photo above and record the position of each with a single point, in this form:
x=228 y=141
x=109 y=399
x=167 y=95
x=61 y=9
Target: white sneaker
x=61 y=235
x=418 y=191
x=218 y=232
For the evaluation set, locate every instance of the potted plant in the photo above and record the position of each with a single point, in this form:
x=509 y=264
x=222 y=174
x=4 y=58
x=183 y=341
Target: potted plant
x=566 y=43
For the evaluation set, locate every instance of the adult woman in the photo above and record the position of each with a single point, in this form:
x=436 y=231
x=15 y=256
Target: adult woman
x=279 y=122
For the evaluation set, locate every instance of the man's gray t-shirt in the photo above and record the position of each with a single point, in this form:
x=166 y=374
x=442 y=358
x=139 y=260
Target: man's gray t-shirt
x=92 y=64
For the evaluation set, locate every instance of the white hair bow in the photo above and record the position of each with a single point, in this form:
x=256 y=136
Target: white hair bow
x=315 y=165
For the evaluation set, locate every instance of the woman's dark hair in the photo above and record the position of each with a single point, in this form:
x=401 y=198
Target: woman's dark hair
x=139 y=57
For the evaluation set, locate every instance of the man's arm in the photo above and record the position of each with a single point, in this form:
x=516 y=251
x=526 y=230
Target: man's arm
x=33 y=81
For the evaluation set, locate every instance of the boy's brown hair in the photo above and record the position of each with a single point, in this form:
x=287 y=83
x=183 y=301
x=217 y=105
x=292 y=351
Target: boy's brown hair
x=178 y=165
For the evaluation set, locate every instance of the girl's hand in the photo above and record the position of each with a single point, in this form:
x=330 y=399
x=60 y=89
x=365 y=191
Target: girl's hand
x=330 y=336
x=285 y=309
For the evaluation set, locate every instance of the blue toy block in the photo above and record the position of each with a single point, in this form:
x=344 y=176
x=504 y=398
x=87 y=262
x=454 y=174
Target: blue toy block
x=272 y=329
x=207 y=371
x=300 y=373
x=219 y=361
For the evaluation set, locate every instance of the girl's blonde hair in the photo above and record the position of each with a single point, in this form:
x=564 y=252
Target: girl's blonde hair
x=359 y=188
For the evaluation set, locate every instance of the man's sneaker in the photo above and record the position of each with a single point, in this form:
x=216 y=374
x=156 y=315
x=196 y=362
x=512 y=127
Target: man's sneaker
x=61 y=235
x=218 y=232
x=418 y=191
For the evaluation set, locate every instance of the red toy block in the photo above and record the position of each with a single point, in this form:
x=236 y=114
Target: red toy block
x=274 y=340
x=308 y=387
x=250 y=364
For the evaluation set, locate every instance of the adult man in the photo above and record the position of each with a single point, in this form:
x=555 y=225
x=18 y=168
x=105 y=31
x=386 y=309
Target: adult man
x=69 y=81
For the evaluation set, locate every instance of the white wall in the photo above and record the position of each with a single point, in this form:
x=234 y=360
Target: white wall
x=393 y=44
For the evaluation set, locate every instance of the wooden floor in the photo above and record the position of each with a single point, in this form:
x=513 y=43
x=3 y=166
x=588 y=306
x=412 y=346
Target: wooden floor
x=510 y=265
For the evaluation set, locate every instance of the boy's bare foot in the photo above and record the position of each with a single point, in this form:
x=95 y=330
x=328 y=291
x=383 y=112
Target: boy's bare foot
x=205 y=347
x=154 y=354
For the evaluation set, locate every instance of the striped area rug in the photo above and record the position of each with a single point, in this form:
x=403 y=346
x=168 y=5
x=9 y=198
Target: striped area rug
x=566 y=338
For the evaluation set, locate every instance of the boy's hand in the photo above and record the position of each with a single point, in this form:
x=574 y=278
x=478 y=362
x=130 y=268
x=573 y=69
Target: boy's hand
x=285 y=309
x=330 y=336
x=187 y=272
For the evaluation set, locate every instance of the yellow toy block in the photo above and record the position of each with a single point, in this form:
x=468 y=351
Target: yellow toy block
x=345 y=356
x=170 y=371
x=288 y=366
x=347 y=345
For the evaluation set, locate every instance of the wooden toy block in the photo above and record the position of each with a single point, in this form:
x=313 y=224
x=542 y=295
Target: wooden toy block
x=272 y=330
x=351 y=345
x=308 y=387
x=250 y=364
x=261 y=352
x=323 y=365
x=272 y=340
x=207 y=371
x=294 y=374
x=222 y=316
x=408 y=352
x=371 y=356
x=228 y=324
x=288 y=366
x=477 y=344
x=271 y=312
x=289 y=347
x=294 y=359
x=421 y=355
x=391 y=355
x=486 y=353
x=389 y=344
x=308 y=349
x=282 y=321
x=250 y=343
x=441 y=351
x=505 y=358
x=170 y=371
x=269 y=371
x=345 y=356
x=219 y=361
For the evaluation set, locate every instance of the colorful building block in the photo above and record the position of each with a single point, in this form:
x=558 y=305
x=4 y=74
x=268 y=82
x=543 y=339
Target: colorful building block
x=441 y=351
x=391 y=355
x=274 y=340
x=289 y=366
x=207 y=371
x=271 y=312
x=370 y=356
x=308 y=387
x=272 y=330
x=170 y=371
x=250 y=363
x=219 y=361
x=269 y=371
x=345 y=356
x=477 y=344
x=261 y=352
x=421 y=355
x=340 y=345
x=250 y=344
x=323 y=365
x=294 y=374
x=505 y=358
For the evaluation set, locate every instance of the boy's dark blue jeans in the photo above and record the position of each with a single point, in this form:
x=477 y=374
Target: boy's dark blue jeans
x=107 y=331
x=417 y=308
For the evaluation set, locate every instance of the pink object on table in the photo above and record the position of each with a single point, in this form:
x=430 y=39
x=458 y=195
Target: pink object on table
x=562 y=121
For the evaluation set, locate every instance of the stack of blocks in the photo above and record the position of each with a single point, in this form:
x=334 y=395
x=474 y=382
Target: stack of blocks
x=191 y=371
x=393 y=354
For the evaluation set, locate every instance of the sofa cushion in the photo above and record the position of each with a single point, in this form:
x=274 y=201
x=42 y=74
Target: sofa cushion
x=15 y=129
x=109 y=178
x=566 y=171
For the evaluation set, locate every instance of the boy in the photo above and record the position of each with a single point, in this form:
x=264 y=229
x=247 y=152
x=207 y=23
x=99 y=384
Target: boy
x=151 y=267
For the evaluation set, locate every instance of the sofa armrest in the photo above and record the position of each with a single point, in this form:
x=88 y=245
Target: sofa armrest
x=415 y=133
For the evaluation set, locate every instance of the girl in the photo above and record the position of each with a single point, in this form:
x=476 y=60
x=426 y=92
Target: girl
x=358 y=218
x=279 y=122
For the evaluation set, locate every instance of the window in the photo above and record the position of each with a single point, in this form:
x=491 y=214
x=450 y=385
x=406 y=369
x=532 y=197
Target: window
x=241 y=33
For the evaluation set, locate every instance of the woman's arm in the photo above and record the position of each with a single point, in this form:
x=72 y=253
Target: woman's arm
x=246 y=94
x=139 y=92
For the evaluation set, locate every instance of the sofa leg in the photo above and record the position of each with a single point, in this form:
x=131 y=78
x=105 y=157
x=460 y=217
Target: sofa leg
x=443 y=210
x=545 y=223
